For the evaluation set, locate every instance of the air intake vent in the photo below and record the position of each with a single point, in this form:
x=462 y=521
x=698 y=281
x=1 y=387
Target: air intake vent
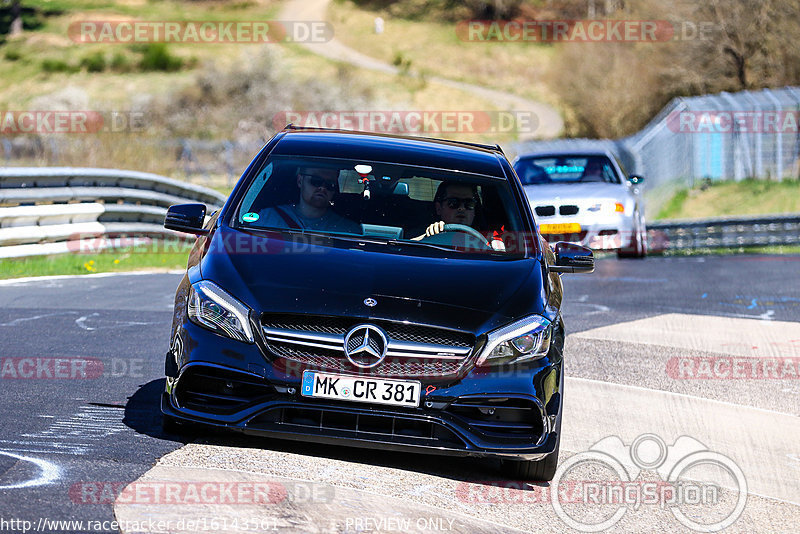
x=568 y=210
x=545 y=211
x=219 y=391
x=500 y=417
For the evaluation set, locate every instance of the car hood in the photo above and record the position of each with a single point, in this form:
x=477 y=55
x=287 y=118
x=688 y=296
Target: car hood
x=539 y=194
x=467 y=294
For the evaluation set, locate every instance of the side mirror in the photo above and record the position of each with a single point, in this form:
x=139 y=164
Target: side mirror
x=187 y=218
x=635 y=179
x=572 y=258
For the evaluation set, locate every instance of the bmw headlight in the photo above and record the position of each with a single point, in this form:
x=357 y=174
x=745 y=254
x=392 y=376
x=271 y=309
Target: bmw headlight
x=211 y=307
x=524 y=340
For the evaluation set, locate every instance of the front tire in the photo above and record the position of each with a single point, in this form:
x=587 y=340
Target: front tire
x=638 y=248
x=534 y=470
x=170 y=425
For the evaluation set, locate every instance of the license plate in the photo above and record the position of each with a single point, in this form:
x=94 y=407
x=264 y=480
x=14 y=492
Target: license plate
x=564 y=228
x=361 y=389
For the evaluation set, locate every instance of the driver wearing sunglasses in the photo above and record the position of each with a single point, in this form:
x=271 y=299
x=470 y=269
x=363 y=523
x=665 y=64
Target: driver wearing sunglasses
x=318 y=187
x=454 y=204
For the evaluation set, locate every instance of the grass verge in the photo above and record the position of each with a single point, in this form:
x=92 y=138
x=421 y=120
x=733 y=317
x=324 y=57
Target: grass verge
x=748 y=197
x=168 y=255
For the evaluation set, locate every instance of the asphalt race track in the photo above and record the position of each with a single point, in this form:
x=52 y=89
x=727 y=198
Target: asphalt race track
x=667 y=359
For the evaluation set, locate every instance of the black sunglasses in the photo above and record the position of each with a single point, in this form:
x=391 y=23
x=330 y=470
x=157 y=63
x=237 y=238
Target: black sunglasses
x=453 y=203
x=318 y=181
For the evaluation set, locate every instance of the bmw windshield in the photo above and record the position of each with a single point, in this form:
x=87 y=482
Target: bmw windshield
x=383 y=203
x=566 y=170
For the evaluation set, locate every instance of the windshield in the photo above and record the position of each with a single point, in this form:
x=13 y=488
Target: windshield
x=566 y=169
x=384 y=203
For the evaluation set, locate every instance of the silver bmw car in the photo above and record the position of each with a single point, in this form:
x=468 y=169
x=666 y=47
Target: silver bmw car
x=585 y=198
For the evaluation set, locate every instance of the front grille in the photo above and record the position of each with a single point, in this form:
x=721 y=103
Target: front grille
x=545 y=211
x=500 y=417
x=219 y=391
x=386 y=427
x=317 y=342
x=568 y=210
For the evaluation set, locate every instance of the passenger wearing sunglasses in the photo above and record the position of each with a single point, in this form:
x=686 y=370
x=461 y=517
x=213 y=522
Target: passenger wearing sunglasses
x=454 y=204
x=318 y=187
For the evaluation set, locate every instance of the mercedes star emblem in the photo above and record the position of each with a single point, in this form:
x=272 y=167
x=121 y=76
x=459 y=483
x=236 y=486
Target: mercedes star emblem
x=365 y=345
x=370 y=302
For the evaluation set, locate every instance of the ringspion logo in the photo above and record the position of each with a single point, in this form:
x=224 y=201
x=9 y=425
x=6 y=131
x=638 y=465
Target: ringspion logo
x=691 y=477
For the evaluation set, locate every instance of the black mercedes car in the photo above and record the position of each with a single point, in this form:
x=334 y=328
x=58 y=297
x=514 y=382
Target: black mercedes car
x=376 y=291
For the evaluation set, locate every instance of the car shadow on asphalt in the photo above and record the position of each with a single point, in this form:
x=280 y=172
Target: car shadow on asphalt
x=143 y=414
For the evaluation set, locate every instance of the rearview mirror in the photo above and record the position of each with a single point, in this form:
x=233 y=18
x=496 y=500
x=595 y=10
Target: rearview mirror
x=572 y=258
x=635 y=179
x=187 y=218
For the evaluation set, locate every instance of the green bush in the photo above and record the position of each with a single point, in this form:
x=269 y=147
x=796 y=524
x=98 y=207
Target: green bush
x=120 y=63
x=13 y=55
x=95 y=62
x=56 y=65
x=158 y=58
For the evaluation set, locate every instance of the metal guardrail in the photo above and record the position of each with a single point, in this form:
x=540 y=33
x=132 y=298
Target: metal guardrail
x=724 y=232
x=54 y=210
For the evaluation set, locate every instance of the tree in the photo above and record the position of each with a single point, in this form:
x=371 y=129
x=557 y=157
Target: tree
x=16 y=18
x=749 y=41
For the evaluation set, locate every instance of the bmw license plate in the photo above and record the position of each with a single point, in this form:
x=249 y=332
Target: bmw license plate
x=563 y=228
x=361 y=389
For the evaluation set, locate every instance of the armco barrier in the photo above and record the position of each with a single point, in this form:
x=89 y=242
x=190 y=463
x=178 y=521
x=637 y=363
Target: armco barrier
x=43 y=209
x=724 y=232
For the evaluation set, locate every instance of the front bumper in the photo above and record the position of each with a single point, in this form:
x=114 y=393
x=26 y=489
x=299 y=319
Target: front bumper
x=511 y=413
x=606 y=232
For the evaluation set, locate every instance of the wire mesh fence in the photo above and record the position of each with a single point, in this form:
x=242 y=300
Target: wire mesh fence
x=726 y=136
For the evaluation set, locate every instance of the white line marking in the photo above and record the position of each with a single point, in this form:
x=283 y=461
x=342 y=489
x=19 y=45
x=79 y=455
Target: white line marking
x=15 y=322
x=49 y=472
x=707 y=333
x=81 y=322
x=29 y=279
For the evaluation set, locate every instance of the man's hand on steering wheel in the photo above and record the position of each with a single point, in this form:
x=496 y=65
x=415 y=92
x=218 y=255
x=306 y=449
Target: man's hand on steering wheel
x=434 y=229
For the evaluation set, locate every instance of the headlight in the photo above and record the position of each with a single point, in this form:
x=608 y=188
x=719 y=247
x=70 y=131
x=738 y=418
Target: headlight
x=524 y=340
x=211 y=307
x=612 y=207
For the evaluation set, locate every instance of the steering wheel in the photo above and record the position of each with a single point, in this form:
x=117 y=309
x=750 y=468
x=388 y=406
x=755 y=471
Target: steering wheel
x=438 y=238
x=466 y=229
